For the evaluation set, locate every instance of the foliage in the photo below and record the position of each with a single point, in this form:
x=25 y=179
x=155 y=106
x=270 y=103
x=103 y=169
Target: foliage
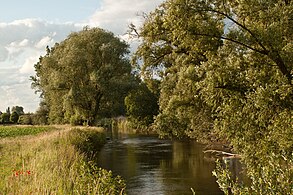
x=51 y=164
x=11 y=116
x=14 y=117
x=14 y=131
x=226 y=71
x=18 y=109
x=8 y=111
x=83 y=77
x=272 y=178
x=172 y=51
x=40 y=117
x=87 y=141
x=5 y=118
x=141 y=106
x=25 y=119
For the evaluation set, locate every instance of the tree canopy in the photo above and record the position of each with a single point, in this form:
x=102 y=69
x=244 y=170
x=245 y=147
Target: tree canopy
x=18 y=109
x=142 y=105
x=83 y=77
x=226 y=71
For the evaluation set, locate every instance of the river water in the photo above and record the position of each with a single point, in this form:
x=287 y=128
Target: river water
x=155 y=166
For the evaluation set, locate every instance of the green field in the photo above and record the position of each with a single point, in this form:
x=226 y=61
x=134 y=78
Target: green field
x=14 y=131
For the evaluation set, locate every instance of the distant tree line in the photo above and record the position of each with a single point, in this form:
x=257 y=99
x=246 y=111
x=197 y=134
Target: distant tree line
x=16 y=115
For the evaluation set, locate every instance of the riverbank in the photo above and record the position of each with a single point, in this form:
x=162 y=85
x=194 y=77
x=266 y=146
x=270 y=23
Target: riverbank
x=55 y=162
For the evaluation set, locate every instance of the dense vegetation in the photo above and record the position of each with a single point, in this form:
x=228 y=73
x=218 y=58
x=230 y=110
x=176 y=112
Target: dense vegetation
x=142 y=105
x=85 y=77
x=58 y=162
x=210 y=70
x=225 y=71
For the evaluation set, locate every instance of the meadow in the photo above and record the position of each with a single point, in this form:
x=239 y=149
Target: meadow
x=14 y=131
x=56 y=160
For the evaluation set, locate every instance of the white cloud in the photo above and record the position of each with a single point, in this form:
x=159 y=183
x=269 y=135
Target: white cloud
x=21 y=44
x=47 y=40
x=117 y=15
x=3 y=53
x=20 y=95
x=23 y=41
x=16 y=47
x=28 y=66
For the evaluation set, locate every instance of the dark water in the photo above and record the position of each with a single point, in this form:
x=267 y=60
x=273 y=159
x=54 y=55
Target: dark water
x=154 y=166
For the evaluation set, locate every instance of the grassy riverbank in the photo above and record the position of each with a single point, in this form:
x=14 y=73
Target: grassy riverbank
x=57 y=161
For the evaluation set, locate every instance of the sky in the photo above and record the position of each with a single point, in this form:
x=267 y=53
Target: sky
x=27 y=27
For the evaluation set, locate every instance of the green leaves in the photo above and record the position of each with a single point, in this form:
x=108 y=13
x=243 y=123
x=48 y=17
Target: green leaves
x=141 y=106
x=79 y=76
x=226 y=70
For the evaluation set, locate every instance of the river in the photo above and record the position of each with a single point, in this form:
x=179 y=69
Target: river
x=155 y=166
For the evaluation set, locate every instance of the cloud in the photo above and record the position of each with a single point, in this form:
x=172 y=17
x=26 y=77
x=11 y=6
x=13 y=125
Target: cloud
x=117 y=15
x=27 y=67
x=12 y=95
x=19 y=34
x=3 y=54
x=47 y=40
x=23 y=41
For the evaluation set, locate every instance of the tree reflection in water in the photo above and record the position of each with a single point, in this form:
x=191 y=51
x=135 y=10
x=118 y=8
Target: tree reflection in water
x=154 y=166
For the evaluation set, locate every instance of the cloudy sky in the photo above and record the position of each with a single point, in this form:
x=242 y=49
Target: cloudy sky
x=28 y=26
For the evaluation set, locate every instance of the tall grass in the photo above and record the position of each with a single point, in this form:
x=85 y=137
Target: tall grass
x=57 y=162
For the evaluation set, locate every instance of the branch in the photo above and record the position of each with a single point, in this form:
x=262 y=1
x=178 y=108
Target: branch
x=239 y=24
x=132 y=29
x=234 y=41
x=276 y=58
x=222 y=153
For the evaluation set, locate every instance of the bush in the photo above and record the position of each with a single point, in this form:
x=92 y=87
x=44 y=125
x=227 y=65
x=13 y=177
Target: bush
x=87 y=141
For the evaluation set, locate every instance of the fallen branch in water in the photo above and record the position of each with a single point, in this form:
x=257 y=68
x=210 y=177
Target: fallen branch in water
x=222 y=153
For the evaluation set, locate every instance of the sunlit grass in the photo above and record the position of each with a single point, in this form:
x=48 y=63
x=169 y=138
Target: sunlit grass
x=14 y=131
x=55 y=163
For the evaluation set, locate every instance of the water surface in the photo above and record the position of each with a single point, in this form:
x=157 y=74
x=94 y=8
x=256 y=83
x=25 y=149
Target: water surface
x=154 y=166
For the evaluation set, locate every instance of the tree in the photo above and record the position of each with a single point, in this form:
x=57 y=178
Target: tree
x=25 y=119
x=18 y=110
x=172 y=51
x=84 y=77
x=14 y=117
x=4 y=118
x=141 y=106
x=226 y=70
x=8 y=111
x=40 y=117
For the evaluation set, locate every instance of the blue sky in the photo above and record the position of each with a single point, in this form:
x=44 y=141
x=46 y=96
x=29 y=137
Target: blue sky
x=28 y=26
x=53 y=10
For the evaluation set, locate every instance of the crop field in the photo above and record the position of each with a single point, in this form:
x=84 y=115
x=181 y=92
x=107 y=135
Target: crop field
x=14 y=131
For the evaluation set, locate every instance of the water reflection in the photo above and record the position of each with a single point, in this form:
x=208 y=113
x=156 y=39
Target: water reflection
x=154 y=166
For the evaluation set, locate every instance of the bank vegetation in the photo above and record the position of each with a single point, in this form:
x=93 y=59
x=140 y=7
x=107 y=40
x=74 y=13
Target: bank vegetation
x=58 y=161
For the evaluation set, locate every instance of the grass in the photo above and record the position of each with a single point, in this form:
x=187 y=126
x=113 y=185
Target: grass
x=14 y=131
x=55 y=162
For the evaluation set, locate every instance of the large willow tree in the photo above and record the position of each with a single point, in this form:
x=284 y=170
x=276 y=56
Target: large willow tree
x=83 y=77
x=226 y=71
